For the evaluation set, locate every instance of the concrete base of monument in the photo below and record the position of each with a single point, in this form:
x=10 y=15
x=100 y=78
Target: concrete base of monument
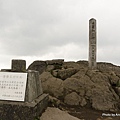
x=10 y=110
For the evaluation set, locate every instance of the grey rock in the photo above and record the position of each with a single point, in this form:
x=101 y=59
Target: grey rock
x=92 y=86
x=107 y=118
x=52 y=85
x=79 y=74
x=45 y=76
x=71 y=64
x=54 y=101
x=83 y=64
x=117 y=89
x=66 y=73
x=114 y=79
x=83 y=102
x=95 y=88
x=72 y=99
x=102 y=100
x=81 y=92
x=77 y=85
x=54 y=73
x=102 y=96
x=56 y=114
x=50 y=68
x=38 y=66
x=55 y=61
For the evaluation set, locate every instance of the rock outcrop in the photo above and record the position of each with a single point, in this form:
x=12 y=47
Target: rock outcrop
x=38 y=66
x=75 y=85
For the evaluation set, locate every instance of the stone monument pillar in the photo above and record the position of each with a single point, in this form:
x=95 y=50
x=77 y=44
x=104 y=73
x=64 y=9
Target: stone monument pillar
x=92 y=44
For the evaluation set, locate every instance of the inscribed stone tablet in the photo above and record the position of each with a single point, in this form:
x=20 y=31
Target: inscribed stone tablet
x=12 y=86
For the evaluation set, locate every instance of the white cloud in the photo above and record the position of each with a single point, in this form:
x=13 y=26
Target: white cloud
x=49 y=29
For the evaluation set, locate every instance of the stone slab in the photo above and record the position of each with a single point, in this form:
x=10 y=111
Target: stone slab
x=23 y=110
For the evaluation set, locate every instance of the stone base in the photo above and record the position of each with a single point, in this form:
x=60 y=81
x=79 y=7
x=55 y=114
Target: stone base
x=10 y=110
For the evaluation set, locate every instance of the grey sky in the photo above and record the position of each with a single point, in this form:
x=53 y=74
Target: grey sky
x=49 y=29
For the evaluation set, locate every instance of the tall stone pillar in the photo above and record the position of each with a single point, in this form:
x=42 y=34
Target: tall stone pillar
x=92 y=44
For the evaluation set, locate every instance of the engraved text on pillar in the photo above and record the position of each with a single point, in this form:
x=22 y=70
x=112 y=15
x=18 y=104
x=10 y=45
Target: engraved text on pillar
x=92 y=43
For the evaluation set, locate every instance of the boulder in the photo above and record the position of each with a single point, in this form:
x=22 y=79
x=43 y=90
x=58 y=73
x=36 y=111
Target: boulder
x=54 y=73
x=103 y=100
x=38 y=66
x=96 y=89
x=117 y=89
x=71 y=64
x=83 y=64
x=106 y=118
x=54 y=102
x=78 y=85
x=72 y=99
x=83 y=102
x=54 y=87
x=102 y=96
x=66 y=73
x=54 y=64
x=55 y=61
x=45 y=76
x=99 y=79
x=51 y=85
x=50 y=68
x=114 y=79
x=79 y=74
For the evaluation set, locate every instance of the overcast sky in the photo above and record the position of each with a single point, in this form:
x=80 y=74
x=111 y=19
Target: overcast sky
x=58 y=29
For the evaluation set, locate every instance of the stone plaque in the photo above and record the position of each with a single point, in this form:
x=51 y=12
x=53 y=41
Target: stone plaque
x=12 y=86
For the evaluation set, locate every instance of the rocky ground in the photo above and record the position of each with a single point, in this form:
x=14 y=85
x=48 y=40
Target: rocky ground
x=56 y=114
x=76 y=114
x=74 y=84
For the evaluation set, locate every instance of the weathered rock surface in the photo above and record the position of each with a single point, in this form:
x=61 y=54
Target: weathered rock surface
x=56 y=114
x=77 y=85
x=71 y=64
x=38 y=66
x=50 y=68
x=72 y=99
x=66 y=73
x=117 y=89
x=51 y=85
x=54 y=102
x=108 y=118
x=55 y=62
